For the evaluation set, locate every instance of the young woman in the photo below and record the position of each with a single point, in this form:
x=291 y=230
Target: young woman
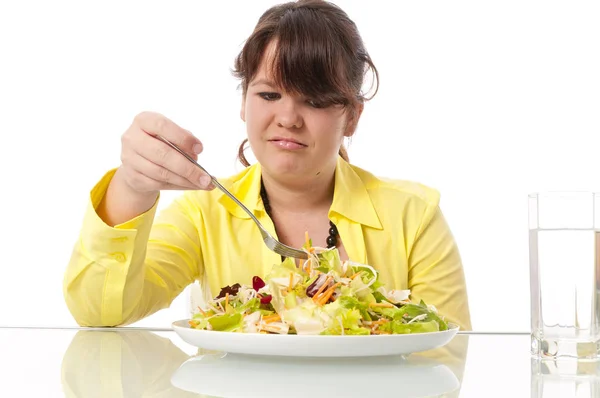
x=302 y=72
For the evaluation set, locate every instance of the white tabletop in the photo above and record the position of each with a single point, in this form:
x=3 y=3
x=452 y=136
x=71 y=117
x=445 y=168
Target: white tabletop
x=126 y=362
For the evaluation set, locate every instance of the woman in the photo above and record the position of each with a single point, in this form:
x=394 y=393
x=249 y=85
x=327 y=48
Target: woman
x=301 y=72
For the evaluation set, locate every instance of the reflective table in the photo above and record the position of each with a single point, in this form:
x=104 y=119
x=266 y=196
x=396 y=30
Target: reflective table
x=139 y=362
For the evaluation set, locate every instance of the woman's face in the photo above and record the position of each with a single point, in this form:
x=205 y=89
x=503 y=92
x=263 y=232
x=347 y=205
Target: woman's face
x=291 y=135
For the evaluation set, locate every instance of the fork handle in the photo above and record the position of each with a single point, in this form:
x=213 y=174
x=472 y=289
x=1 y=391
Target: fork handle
x=213 y=179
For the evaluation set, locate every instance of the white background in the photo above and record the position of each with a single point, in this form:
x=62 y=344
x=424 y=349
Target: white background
x=485 y=101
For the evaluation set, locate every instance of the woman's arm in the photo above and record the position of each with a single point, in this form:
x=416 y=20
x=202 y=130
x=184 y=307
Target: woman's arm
x=435 y=269
x=120 y=274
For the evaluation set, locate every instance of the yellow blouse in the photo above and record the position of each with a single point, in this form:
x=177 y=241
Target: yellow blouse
x=118 y=275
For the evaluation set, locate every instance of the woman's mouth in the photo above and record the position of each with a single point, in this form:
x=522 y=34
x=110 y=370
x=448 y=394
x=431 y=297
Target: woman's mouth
x=288 y=144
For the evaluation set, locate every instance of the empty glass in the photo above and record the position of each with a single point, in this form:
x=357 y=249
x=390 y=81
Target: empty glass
x=564 y=243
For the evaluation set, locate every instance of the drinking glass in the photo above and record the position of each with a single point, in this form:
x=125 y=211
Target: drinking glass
x=564 y=259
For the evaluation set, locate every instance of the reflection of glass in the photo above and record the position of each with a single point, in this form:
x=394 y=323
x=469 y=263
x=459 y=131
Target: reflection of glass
x=565 y=379
x=231 y=375
x=564 y=243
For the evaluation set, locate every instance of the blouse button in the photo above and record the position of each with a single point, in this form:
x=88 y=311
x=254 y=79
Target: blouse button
x=120 y=257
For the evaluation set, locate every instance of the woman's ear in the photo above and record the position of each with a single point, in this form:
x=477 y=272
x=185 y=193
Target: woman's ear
x=353 y=120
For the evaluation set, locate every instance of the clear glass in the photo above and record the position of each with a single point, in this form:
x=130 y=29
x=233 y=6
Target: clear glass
x=564 y=258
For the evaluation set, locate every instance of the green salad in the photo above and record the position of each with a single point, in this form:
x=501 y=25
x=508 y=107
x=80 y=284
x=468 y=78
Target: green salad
x=324 y=296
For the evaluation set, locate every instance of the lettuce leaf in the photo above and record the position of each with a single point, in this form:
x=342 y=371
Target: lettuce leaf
x=398 y=327
x=283 y=269
x=226 y=322
x=350 y=302
x=409 y=311
x=331 y=262
x=349 y=319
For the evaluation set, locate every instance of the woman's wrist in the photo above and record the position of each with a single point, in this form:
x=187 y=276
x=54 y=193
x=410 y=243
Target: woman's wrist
x=122 y=203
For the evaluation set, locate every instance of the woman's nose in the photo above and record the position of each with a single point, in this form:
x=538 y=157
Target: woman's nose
x=288 y=115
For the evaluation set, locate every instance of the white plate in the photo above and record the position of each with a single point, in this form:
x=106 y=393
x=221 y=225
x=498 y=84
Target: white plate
x=234 y=375
x=313 y=345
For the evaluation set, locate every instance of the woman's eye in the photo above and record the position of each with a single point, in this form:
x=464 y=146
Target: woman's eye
x=315 y=103
x=269 y=96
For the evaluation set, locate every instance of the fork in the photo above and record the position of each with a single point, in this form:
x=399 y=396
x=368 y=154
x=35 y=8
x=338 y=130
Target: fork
x=272 y=243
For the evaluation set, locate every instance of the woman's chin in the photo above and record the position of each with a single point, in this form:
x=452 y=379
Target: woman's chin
x=286 y=164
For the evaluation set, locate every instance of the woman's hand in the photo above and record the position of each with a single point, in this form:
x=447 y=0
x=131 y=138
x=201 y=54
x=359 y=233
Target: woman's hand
x=149 y=165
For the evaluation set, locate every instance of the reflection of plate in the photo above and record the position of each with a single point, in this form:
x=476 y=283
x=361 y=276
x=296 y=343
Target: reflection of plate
x=234 y=375
x=311 y=345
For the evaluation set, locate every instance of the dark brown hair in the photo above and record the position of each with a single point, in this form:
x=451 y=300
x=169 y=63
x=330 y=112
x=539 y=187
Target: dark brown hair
x=319 y=54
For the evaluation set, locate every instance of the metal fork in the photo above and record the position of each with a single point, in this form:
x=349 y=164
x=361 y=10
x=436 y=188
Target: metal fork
x=272 y=243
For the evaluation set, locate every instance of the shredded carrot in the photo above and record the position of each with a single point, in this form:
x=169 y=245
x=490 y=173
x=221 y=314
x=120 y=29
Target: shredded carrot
x=323 y=286
x=355 y=275
x=291 y=281
x=202 y=312
x=382 y=304
x=271 y=318
x=332 y=288
x=308 y=268
x=226 y=299
x=307 y=239
x=327 y=294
